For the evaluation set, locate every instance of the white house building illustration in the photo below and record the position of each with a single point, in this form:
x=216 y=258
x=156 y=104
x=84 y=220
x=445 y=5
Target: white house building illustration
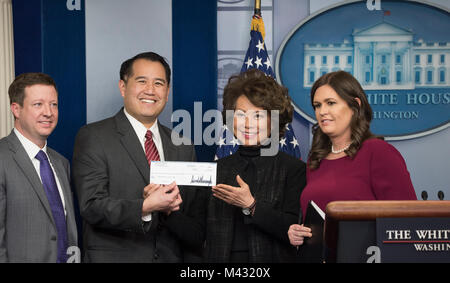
x=383 y=56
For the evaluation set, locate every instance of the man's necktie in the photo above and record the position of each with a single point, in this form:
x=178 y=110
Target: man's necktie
x=54 y=199
x=151 y=152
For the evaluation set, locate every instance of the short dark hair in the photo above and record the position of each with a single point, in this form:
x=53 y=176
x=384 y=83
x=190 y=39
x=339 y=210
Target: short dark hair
x=126 y=69
x=262 y=91
x=16 y=90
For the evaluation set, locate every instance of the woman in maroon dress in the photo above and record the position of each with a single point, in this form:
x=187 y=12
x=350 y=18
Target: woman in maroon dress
x=347 y=161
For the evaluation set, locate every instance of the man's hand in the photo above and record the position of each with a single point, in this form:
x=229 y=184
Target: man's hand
x=164 y=198
x=150 y=189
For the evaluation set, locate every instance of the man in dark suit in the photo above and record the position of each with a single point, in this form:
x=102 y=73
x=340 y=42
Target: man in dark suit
x=126 y=219
x=37 y=221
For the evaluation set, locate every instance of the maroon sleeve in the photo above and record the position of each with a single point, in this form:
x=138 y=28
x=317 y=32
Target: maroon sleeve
x=389 y=176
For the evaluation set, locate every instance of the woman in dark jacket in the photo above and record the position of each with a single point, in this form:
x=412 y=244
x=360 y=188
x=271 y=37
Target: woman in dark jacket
x=258 y=191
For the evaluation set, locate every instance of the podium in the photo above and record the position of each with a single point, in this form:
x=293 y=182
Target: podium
x=351 y=226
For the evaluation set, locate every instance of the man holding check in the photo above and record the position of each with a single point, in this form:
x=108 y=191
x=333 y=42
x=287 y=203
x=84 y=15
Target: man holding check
x=126 y=219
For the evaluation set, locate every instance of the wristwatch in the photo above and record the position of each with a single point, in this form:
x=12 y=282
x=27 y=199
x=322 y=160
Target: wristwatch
x=249 y=210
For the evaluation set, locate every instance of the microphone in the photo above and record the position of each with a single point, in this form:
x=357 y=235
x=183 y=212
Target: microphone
x=441 y=195
x=424 y=195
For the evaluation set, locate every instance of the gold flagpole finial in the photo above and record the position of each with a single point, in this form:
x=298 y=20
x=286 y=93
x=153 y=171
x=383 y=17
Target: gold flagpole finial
x=257 y=21
x=258 y=7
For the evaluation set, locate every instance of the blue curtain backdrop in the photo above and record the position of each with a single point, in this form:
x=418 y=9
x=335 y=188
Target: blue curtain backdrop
x=195 y=60
x=49 y=38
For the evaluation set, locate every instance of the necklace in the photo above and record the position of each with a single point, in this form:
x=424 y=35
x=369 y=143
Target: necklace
x=339 y=150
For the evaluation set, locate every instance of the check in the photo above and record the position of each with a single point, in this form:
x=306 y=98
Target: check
x=183 y=173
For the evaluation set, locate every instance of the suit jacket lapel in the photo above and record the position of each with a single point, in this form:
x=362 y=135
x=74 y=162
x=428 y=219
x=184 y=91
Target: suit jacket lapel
x=64 y=181
x=170 y=151
x=24 y=162
x=131 y=144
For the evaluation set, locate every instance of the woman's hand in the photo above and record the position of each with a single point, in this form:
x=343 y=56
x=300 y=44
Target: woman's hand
x=297 y=234
x=237 y=196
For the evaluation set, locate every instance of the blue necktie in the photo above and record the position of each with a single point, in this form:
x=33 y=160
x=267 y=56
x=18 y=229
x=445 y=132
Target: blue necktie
x=54 y=199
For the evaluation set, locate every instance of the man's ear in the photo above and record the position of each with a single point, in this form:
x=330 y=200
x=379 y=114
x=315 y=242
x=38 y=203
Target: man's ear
x=122 y=86
x=15 y=109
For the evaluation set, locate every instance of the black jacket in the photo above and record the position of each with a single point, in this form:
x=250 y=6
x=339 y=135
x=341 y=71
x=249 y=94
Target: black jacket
x=280 y=180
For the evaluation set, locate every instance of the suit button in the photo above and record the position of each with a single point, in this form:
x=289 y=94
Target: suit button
x=159 y=227
x=53 y=238
x=156 y=256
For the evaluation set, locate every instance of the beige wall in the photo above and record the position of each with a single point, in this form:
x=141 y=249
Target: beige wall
x=6 y=65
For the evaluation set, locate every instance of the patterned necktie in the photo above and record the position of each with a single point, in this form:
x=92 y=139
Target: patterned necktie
x=54 y=199
x=151 y=152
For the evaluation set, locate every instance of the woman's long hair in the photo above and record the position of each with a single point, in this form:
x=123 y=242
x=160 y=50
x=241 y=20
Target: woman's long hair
x=348 y=88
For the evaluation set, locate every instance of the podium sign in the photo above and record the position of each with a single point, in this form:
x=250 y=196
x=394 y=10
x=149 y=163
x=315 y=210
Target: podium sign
x=353 y=227
x=414 y=239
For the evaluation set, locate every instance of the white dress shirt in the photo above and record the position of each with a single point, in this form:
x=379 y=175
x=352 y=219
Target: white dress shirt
x=32 y=149
x=141 y=131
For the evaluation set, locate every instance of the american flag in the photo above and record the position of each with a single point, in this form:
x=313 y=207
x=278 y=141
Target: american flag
x=257 y=58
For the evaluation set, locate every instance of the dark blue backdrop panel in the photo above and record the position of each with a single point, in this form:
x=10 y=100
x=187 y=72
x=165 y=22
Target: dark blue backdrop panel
x=194 y=27
x=27 y=23
x=64 y=58
x=49 y=38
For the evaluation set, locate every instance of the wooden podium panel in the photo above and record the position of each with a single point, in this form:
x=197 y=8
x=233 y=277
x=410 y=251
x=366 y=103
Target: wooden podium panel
x=350 y=226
